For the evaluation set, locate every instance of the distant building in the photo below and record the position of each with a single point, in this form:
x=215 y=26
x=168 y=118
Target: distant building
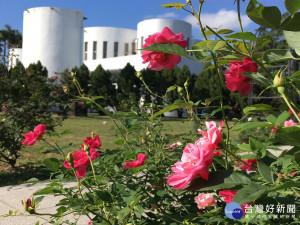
x=56 y=37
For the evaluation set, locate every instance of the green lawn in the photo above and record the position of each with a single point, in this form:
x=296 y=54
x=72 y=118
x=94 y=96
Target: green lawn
x=30 y=162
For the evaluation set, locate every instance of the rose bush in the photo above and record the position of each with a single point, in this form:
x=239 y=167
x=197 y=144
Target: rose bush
x=192 y=183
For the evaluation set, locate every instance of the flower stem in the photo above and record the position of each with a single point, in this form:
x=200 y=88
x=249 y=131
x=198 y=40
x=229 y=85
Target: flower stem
x=289 y=105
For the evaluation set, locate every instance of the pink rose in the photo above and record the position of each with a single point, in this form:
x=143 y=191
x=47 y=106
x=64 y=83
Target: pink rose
x=157 y=60
x=228 y=195
x=289 y=123
x=81 y=161
x=32 y=136
x=213 y=134
x=291 y=113
x=4 y=108
x=137 y=163
x=205 y=200
x=80 y=103
x=251 y=162
x=236 y=82
x=194 y=161
x=93 y=142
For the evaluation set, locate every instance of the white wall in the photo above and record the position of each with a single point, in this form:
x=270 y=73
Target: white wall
x=110 y=35
x=15 y=55
x=54 y=36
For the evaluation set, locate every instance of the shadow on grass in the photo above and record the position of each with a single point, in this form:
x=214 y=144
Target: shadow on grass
x=22 y=173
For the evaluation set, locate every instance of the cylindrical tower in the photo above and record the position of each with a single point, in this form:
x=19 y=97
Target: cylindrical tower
x=107 y=42
x=151 y=26
x=54 y=36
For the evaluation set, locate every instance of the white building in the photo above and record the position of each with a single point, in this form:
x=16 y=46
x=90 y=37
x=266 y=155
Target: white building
x=56 y=37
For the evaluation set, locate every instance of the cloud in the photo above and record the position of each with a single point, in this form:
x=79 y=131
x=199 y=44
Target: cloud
x=168 y=15
x=227 y=18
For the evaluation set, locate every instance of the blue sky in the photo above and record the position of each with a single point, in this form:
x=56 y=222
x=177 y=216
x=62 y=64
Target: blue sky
x=127 y=13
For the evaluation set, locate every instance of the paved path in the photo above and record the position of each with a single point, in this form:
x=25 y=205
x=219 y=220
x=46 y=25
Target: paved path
x=11 y=197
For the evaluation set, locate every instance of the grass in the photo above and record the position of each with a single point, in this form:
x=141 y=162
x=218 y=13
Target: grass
x=30 y=162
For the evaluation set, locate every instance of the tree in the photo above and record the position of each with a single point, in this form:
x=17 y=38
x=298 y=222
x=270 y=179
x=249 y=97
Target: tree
x=82 y=75
x=101 y=85
x=28 y=98
x=129 y=89
x=9 y=38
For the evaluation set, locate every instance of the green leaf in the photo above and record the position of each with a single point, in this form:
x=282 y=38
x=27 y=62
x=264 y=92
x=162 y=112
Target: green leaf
x=10 y=212
x=168 y=48
x=172 y=107
x=178 y=6
x=295 y=75
x=257 y=147
x=104 y=196
x=225 y=31
x=211 y=44
x=33 y=180
x=215 y=180
x=138 y=211
x=135 y=201
x=219 y=45
x=266 y=172
x=258 y=108
x=258 y=77
x=123 y=213
x=272 y=119
x=277 y=55
x=242 y=35
x=297 y=157
x=249 y=193
x=285 y=185
x=97 y=97
x=200 y=52
x=232 y=181
x=282 y=117
x=210 y=100
x=172 y=88
x=250 y=125
x=288 y=135
x=292 y=6
x=52 y=164
x=292 y=38
x=264 y=16
x=291 y=23
x=237 y=178
x=119 y=142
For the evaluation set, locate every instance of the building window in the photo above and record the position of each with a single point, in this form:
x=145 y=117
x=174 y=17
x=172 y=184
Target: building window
x=126 y=49
x=116 y=46
x=85 y=50
x=95 y=50
x=104 y=50
x=133 y=47
x=142 y=41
